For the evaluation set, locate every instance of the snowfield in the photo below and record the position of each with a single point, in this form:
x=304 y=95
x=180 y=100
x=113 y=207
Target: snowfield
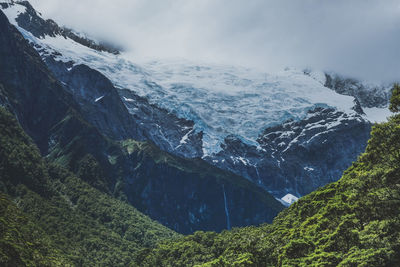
x=221 y=100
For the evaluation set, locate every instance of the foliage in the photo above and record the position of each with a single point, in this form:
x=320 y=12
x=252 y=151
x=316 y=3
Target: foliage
x=57 y=213
x=22 y=242
x=57 y=219
x=352 y=222
x=395 y=99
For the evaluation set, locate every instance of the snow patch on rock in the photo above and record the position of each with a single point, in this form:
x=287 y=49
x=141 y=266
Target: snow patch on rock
x=288 y=199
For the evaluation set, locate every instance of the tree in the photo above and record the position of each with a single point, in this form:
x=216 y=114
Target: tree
x=395 y=99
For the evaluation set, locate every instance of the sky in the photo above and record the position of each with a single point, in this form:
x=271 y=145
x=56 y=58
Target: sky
x=356 y=38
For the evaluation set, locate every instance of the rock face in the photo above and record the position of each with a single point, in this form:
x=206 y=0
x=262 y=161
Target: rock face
x=67 y=118
x=28 y=86
x=39 y=27
x=184 y=194
x=166 y=130
x=122 y=114
x=368 y=96
x=99 y=101
x=298 y=156
x=286 y=157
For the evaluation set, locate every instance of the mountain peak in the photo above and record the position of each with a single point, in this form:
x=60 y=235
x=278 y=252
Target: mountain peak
x=23 y=15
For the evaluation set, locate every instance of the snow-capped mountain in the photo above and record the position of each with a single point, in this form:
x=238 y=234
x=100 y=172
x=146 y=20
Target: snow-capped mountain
x=289 y=132
x=77 y=119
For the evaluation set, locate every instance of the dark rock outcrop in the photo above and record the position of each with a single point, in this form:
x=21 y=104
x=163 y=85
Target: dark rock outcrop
x=166 y=130
x=187 y=193
x=121 y=114
x=368 y=96
x=297 y=157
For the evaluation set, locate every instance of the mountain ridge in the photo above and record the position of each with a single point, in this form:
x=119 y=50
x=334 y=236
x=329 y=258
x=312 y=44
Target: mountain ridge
x=59 y=119
x=351 y=222
x=83 y=180
x=154 y=92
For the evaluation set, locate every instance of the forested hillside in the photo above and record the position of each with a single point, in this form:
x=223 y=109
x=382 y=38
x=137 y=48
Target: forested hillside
x=108 y=162
x=352 y=222
x=50 y=217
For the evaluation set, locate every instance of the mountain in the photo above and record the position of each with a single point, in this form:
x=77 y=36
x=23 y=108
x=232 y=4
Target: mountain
x=50 y=217
x=299 y=156
x=231 y=117
x=369 y=95
x=26 y=243
x=94 y=139
x=351 y=222
x=100 y=158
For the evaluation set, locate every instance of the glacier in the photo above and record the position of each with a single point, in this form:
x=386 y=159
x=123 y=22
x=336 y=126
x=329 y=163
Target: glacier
x=221 y=100
x=263 y=126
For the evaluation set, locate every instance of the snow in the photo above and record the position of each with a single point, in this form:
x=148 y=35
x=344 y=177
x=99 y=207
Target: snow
x=243 y=160
x=99 y=98
x=225 y=100
x=319 y=76
x=288 y=199
x=377 y=115
x=185 y=137
x=13 y=12
x=128 y=99
x=221 y=100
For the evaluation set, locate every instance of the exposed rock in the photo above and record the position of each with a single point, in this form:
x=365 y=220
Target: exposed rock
x=58 y=118
x=35 y=24
x=368 y=96
x=166 y=130
x=297 y=157
x=292 y=157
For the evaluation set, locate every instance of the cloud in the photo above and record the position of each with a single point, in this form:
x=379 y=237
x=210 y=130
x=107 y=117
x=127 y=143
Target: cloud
x=359 y=38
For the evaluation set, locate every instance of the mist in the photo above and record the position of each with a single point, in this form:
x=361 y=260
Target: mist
x=358 y=38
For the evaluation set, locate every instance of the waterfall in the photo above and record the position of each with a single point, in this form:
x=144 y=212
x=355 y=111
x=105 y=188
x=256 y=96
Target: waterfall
x=228 y=223
x=258 y=175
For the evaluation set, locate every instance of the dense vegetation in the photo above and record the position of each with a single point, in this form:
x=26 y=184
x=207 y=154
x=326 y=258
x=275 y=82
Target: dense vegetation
x=22 y=241
x=395 y=99
x=50 y=217
x=352 y=222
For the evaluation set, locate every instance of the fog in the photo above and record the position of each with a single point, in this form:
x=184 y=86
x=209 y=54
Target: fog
x=357 y=38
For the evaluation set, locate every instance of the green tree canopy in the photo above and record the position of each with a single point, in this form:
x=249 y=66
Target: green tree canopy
x=395 y=99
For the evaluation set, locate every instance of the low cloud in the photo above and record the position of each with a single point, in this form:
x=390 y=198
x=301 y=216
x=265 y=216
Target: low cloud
x=359 y=38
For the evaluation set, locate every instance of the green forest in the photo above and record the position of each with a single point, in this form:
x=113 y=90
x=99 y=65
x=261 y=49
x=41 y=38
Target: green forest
x=94 y=172
x=50 y=217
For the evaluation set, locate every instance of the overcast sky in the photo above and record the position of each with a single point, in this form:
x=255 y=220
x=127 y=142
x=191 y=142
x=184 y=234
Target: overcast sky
x=359 y=38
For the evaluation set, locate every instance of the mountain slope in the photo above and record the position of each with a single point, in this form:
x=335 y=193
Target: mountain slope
x=79 y=223
x=82 y=135
x=219 y=113
x=22 y=242
x=352 y=222
x=189 y=194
